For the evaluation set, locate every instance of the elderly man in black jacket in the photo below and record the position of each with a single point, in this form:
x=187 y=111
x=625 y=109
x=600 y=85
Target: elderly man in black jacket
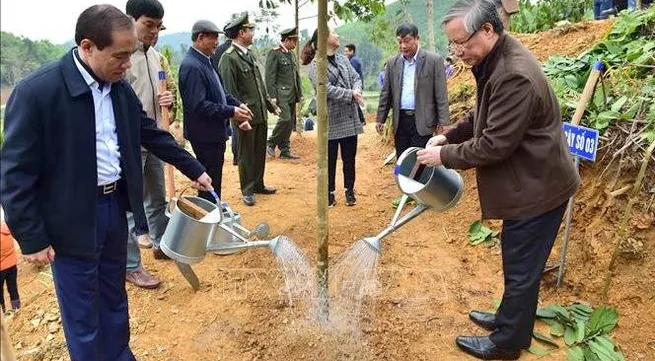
x=71 y=168
x=207 y=106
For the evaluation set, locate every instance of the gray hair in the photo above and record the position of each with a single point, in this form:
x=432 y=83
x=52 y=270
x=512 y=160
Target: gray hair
x=474 y=13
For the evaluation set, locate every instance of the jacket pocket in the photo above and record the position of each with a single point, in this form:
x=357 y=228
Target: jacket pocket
x=516 y=184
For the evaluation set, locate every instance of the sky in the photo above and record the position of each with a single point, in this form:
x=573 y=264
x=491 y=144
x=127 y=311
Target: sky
x=55 y=20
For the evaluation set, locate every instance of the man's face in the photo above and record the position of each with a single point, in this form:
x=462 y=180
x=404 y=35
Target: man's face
x=291 y=43
x=147 y=29
x=207 y=43
x=110 y=63
x=347 y=52
x=247 y=35
x=471 y=48
x=408 y=45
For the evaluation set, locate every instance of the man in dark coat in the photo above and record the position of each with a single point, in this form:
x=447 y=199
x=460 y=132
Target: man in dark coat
x=525 y=174
x=71 y=168
x=243 y=79
x=207 y=106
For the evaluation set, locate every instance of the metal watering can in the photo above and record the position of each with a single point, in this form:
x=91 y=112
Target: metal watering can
x=187 y=238
x=430 y=187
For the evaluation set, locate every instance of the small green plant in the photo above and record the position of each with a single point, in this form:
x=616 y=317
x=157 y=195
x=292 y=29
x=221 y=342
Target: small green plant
x=479 y=234
x=544 y=14
x=585 y=331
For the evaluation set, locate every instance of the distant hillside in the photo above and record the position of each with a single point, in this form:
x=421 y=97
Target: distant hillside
x=177 y=41
x=376 y=41
x=20 y=56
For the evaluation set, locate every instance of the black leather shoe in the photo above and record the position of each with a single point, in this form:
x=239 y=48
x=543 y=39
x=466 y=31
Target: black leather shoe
x=249 y=200
x=288 y=155
x=485 y=320
x=482 y=348
x=266 y=190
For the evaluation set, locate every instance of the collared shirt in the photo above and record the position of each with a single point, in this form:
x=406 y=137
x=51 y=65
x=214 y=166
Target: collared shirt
x=243 y=49
x=107 y=152
x=209 y=58
x=407 y=99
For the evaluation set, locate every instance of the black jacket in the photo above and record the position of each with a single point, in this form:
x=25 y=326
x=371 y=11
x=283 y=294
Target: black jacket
x=48 y=177
x=205 y=114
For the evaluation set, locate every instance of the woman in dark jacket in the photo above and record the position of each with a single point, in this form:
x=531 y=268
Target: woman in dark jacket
x=344 y=95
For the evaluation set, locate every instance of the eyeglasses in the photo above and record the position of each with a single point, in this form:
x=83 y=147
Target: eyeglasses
x=453 y=46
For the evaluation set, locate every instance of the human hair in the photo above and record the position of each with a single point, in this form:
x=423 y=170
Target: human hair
x=98 y=24
x=150 y=8
x=308 y=51
x=474 y=14
x=352 y=48
x=407 y=29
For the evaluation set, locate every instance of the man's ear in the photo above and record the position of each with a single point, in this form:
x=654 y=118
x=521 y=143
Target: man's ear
x=86 y=45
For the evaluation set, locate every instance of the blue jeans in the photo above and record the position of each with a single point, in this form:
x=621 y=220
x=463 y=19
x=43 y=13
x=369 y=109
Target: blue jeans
x=600 y=6
x=91 y=291
x=154 y=204
x=632 y=4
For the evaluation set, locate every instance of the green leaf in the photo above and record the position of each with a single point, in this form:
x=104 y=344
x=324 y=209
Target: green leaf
x=575 y=354
x=631 y=112
x=475 y=227
x=616 y=107
x=545 y=339
x=602 y=351
x=560 y=312
x=570 y=335
x=557 y=329
x=539 y=351
x=545 y=313
x=603 y=320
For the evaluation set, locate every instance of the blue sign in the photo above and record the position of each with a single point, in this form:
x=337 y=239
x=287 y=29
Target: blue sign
x=582 y=141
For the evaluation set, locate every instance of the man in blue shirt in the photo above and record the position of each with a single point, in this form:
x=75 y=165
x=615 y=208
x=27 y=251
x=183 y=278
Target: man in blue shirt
x=350 y=51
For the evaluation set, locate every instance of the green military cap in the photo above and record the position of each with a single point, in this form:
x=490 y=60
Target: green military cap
x=240 y=21
x=289 y=33
x=205 y=26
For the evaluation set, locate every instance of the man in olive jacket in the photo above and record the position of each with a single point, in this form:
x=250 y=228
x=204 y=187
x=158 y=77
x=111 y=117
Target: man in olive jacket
x=242 y=78
x=525 y=174
x=283 y=85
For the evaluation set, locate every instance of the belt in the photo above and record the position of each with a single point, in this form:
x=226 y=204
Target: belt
x=107 y=189
x=409 y=113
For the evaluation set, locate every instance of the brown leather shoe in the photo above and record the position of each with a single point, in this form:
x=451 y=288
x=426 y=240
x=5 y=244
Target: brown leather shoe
x=142 y=278
x=159 y=254
x=144 y=241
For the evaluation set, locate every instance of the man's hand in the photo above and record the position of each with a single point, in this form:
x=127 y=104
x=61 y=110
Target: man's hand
x=277 y=111
x=273 y=100
x=242 y=115
x=437 y=140
x=42 y=257
x=430 y=156
x=244 y=106
x=203 y=183
x=165 y=99
x=379 y=127
x=245 y=126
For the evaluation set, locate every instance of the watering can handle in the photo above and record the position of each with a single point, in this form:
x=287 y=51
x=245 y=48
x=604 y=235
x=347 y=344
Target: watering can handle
x=172 y=203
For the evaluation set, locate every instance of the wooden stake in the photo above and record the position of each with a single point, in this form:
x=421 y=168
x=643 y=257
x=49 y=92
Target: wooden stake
x=6 y=348
x=169 y=173
x=624 y=222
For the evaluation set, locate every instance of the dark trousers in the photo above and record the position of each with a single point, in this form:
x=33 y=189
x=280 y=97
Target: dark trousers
x=212 y=156
x=91 y=291
x=282 y=131
x=407 y=136
x=235 y=145
x=526 y=244
x=252 y=158
x=9 y=275
x=348 y=152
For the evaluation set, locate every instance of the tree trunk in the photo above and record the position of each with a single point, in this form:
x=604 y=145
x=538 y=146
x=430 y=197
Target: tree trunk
x=430 y=7
x=299 y=117
x=321 y=162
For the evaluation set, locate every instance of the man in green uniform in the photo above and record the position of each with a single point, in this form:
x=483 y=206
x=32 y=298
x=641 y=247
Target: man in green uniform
x=242 y=78
x=283 y=85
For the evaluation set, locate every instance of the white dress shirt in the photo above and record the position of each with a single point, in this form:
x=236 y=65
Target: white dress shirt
x=107 y=153
x=407 y=100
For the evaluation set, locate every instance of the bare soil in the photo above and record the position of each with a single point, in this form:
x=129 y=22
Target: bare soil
x=429 y=274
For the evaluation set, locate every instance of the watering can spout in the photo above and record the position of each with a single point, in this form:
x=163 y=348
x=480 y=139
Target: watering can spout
x=374 y=243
